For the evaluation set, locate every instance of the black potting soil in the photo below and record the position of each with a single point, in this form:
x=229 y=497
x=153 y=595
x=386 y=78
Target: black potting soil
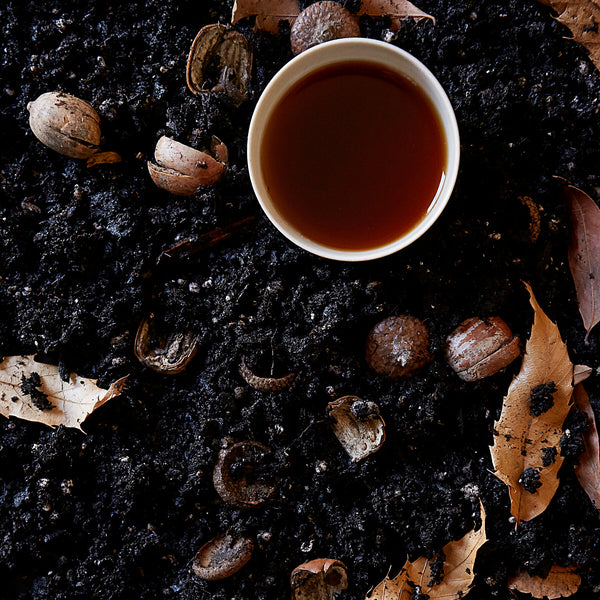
x=120 y=511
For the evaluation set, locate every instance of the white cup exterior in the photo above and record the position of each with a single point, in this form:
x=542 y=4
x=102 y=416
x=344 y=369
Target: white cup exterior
x=331 y=53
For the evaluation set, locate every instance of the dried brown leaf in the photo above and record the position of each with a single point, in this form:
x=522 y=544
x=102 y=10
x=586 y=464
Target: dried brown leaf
x=103 y=158
x=582 y=18
x=581 y=373
x=560 y=583
x=396 y=10
x=53 y=402
x=457 y=576
x=268 y=13
x=588 y=468
x=524 y=441
x=584 y=254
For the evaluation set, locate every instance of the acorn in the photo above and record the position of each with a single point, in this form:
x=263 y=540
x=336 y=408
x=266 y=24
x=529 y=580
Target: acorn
x=322 y=22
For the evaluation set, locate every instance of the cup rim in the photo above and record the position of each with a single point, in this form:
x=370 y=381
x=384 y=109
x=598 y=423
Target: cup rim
x=279 y=86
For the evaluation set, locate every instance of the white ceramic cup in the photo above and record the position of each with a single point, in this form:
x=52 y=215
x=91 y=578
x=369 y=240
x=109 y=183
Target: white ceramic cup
x=341 y=51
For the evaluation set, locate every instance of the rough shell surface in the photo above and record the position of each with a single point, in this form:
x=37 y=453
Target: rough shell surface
x=235 y=477
x=322 y=22
x=479 y=348
x=398 y=346
x=358 y=426
x=169 y=352
x=65 y=124
x=180 y=169
x=226 y=52
x=222 y=556
x=319 y=579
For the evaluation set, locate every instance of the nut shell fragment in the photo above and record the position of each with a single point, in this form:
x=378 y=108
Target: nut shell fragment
x=235 y=475
x=319 y=579
x=479 y=348
x=168 y=353
x=322 y=22
x=223 y=54
x=398 y=346
x=222 y=556
x=265 y=384
x=180 y=169
x=65 y=124
x=358 y=426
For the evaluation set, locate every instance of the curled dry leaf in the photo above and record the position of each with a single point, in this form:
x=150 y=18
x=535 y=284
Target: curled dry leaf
x=265 y=384
x=526 y=450
x=358 y=426
x=180 y=169
x=560 y=583
x=222 y=556
x=588 y=468
x=584 y=254
x=237 y=477
x=164 y=352
x=396 y=10
x=268 y=13
x=223 y=55
x=319 y=579
x=582 y=18
x=581 y=373
x=452 y=582
x=35 y=392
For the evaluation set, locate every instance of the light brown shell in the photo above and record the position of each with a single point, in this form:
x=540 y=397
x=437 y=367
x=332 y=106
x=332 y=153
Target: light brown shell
x=265 y=384
x=241 y=489
x=181 y=169
x=65 y=124
x=168 y=353
x=360 y=437
x=222 y=556
x=479 y=348
x=322 y=22
x=217 y=47
x=319 y=579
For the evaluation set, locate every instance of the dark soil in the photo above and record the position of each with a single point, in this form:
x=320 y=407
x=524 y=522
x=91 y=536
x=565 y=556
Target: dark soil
x=120 y=512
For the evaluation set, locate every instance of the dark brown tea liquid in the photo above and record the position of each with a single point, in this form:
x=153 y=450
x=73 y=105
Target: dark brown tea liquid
x=353 y=156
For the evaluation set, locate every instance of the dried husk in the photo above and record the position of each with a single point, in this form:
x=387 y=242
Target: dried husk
x=164 y=352
x=219 y=49
x=181 y=169
x=521 y=439
x=65 y=124
x=242 y=488
x=222 y=557
x=360 y=437
x=319 y=579
x=265 y=384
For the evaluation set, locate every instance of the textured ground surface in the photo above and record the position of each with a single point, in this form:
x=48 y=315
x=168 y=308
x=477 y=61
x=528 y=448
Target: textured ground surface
x=118 y=513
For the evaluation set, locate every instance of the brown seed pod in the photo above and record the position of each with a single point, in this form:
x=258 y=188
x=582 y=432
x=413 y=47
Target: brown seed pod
x=181 y=169
x=222 y=556
x=358 y=426
x=65 y=124
x=319 y=579
x=398 y=346
x=479 y=348
x=168 y=353
x=322 y=22
x=222 y=54
x=235 y=475
x=265 y=384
